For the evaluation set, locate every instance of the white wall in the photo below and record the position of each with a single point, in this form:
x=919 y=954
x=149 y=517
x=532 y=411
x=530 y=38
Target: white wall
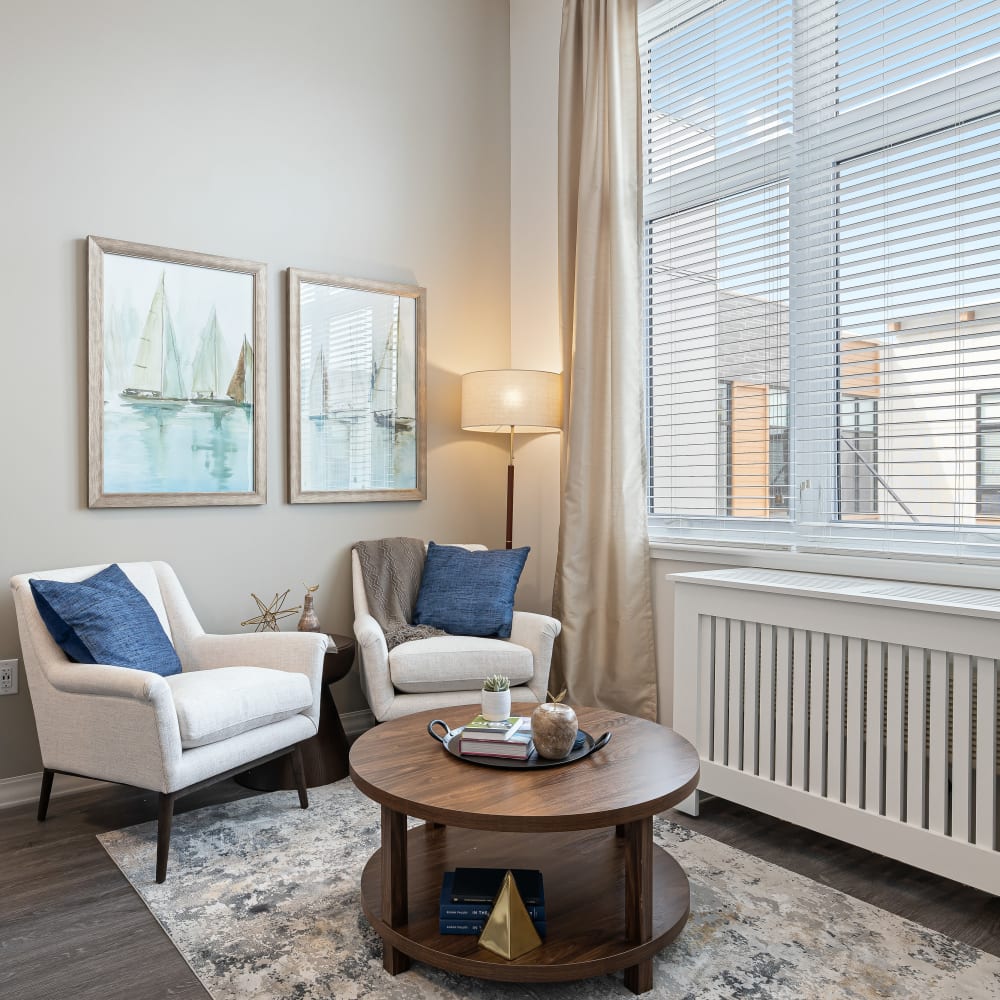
x=361 y=138
x=534 y=280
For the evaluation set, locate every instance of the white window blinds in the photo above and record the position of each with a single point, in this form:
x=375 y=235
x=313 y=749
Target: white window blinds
x=822 y=204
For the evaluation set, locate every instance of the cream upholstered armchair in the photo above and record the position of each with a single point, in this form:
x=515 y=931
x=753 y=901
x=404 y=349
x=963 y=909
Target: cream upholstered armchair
x=446 y=670
x=238 y=700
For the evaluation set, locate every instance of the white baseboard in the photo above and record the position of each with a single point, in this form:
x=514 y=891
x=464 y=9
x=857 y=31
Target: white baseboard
x=355 y=723
x=25 y=787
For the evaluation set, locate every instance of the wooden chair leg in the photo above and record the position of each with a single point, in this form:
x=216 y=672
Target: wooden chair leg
x=299 y=772
x=43 y=799
x=163 y=826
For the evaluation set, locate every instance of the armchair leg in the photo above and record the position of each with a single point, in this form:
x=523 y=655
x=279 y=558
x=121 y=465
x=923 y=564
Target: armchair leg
x=299 y=773
x=163 y=826
x=43 y=799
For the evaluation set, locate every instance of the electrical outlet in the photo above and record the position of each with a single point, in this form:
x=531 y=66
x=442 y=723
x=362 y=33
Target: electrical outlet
x=8 y=677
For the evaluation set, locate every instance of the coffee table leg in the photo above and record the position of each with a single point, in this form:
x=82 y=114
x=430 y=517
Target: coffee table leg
x=395 y=904
x=639 y=898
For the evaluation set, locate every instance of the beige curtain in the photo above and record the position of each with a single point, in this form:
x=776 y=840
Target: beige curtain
x=602 y=588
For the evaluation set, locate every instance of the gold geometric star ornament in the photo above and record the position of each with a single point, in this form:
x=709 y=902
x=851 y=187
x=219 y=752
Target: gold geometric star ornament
x=267 y=620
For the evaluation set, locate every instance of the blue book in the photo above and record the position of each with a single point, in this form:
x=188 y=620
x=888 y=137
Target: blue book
x=448 y=926
x=474 y=911
x=481 y=885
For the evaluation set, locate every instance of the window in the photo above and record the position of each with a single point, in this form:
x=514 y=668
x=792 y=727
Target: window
x=858 y=484
x=778 y=481
x=753 y=472
x=821 y=202
x=988 y=456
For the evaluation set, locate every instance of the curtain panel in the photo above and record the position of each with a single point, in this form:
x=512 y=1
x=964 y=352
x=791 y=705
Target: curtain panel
x=602 y=588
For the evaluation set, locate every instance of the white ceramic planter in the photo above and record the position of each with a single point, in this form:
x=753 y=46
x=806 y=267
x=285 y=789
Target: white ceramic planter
x=496 y=705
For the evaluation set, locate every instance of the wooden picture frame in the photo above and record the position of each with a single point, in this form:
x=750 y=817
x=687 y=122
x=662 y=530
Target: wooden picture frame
x=357 y=397
x=177 y=377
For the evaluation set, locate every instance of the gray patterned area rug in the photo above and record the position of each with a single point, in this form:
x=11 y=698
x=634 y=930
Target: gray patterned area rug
x=262 y=900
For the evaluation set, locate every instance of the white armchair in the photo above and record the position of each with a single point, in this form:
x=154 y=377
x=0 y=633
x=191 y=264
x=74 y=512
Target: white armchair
x=240 y=700
x=448 y=670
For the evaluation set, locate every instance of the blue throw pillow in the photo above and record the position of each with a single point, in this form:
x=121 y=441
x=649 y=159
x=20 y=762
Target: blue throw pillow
x=105 y=619
x=469 y=593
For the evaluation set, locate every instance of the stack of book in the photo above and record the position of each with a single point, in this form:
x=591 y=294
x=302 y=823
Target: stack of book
x=467 y=896
x=510 y=738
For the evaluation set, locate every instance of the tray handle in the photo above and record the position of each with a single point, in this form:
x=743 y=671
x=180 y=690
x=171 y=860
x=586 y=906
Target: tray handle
x=438 y=722
x=602 y=741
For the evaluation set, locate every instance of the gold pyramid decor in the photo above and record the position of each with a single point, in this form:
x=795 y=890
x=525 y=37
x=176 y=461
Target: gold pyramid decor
x=509 y=931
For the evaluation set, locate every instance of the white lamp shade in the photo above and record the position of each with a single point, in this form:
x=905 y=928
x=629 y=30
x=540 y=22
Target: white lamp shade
x=512 y=399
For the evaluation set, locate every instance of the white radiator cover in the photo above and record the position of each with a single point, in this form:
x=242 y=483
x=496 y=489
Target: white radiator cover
x=864 y=709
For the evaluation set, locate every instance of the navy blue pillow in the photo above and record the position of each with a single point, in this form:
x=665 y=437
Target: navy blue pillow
x=105 y=619
x=469 y=593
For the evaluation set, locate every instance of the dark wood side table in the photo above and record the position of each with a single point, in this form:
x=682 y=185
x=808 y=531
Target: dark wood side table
x=325 y=755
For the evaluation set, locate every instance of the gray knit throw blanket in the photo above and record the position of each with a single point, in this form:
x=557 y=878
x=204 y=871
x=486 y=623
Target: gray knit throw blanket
x=391 y=569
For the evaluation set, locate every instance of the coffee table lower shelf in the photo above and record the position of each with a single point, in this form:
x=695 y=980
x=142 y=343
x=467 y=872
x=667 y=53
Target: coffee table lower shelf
x=584 y=874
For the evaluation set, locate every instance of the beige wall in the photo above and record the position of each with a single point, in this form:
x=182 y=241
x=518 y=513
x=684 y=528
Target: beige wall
x=367 y=139
x=534 y=281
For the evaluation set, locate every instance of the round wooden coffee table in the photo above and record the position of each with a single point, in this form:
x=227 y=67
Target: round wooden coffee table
x=612 y=897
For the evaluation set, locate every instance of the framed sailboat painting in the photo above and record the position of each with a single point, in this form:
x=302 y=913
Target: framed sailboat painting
x=357 y=425
x=177 y=377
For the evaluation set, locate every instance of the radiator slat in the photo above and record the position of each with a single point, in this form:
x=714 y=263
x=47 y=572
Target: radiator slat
x=751 y=706
x=706 y=675
x=800 y=709
x=720 y=686
x=765 y=766
x=937 y=764
x=783 y=707
x=874 y=775
x=817 y=713
x=734 y=750
x=855 y=722
x=895 y=708
x=986 y=762
x=836 y=772
x=916 y=728
x=961 y=744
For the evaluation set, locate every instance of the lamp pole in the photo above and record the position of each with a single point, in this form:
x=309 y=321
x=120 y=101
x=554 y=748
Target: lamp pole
x=508 y=400
x=510 y=492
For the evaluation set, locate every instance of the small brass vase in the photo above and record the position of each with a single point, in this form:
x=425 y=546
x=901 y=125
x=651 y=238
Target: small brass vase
x=308 y=622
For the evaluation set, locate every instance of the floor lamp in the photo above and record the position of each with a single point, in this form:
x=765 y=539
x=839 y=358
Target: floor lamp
x=512 y=401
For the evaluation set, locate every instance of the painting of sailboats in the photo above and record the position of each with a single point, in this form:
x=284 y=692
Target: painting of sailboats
x=156 y=372
x=175 y=341
x=357 y=426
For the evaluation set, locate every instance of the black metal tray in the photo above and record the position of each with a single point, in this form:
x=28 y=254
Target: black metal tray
x=451 y=742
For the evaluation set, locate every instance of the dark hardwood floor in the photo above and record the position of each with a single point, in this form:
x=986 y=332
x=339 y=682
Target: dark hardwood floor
x=72 y=927
x=949 y=907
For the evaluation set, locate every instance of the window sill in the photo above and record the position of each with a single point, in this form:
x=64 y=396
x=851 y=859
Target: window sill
x=945 y=572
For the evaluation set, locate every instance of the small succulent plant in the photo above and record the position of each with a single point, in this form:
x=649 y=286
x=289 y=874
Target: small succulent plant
x=496 y=682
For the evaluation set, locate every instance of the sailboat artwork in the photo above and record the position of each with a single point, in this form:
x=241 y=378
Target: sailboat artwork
x=156 y=373
x=211 y=383
x=177 y=405
x=240 y=388
x=357 y=435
